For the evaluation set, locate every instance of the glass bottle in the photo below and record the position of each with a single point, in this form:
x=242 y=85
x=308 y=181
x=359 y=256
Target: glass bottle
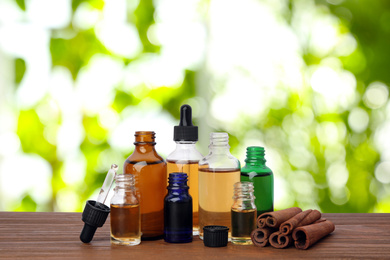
x=185 y=157
x=150 y=173
x=244 y=213
x=262 y=177
x=125 y=212
x=178 y=210
x=218 y=172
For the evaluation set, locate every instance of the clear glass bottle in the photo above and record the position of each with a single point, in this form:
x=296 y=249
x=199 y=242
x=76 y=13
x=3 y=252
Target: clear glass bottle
x=185 y=157
x=218 y=172
x=244 y=213
x=178 y=210
x=125 y=212
x=261 y=176
x=150 y=173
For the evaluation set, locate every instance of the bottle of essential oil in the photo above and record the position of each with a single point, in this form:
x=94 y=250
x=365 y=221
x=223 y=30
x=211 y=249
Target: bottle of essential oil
x=125 y=212
x=185 y=157
x=261 y=176
x=178 y=210
x=218 y=172
x=244 y=213
x=150 y=173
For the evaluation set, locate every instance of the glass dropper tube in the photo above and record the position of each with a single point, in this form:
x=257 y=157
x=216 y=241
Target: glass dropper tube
x=106 y=185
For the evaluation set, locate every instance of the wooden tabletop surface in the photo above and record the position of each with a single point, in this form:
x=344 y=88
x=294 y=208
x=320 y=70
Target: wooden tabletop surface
x=55 y=235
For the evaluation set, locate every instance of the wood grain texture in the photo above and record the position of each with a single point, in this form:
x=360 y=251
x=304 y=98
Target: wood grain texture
x=51 y=235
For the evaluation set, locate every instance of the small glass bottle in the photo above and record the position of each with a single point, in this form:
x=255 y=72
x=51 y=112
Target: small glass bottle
x=218 y=172
x=261 y=176
x=185 y=157
x=178 y=210
x=125 y=212
x=150 y=173
x=243 y=213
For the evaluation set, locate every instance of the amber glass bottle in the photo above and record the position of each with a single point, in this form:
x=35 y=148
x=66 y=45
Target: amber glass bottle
x=150 y=172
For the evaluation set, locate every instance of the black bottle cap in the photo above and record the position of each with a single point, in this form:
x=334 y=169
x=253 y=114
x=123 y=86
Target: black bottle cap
x=215 y=236
x=185 y=131
x=93 y=217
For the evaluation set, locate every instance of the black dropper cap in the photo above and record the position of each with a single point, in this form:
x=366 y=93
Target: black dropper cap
x=93 y=217
x=185 y=131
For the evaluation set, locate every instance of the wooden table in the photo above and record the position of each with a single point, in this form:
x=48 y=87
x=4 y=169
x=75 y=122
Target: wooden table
x=56 y=236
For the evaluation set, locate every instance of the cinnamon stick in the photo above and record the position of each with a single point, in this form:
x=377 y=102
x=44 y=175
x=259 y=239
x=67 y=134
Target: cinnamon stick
x=288 y=226
x=304 y=218
x=260 y=236
x=278 y=240
x=313 y=216
x=274 y=219
x=320 y=220
x=306 y=236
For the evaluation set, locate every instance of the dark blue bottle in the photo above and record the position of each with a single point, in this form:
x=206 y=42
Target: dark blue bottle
x=178 y=210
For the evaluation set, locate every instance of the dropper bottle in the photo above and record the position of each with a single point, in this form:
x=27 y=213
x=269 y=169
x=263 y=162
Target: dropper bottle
x=185 y=157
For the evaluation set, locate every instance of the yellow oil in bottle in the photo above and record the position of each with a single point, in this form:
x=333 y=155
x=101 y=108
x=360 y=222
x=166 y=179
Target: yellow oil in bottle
x=125 y=224
x=191 y=168
x=216 y=197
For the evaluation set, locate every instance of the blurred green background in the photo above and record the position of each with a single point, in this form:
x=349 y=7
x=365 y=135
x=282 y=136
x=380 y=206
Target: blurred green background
x=308 y=80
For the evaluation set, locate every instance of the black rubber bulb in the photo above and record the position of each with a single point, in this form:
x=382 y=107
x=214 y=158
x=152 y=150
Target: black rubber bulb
x=87 y=233
x=93 y=217
x=185 y=131
x=185 y=115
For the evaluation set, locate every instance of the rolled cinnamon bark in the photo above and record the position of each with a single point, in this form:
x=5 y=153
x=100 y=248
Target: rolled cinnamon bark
x=313 y=216
x=260 y=236
x=306 y=236
x=320 y=220
x=261 y=221
x=304 y=218
x=278 y=240
x=274 y=219
x=288 y=226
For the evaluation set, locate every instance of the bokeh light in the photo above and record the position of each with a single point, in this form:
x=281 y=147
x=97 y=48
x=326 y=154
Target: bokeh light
x=305 y=79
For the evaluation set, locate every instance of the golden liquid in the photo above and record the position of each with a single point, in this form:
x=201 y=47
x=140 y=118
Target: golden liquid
x=150 y=181
x=125 y=224
x=191 y=168
x=216 y=197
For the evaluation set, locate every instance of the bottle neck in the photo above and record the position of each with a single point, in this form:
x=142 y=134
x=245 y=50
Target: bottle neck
x=219 y=143
x=255 y=156
x=177 y=183
x=144 y=141
x=124 y=182
x=243 y=191
x=186 y=145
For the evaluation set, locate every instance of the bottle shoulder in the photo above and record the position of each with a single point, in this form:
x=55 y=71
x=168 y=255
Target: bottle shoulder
x=127 y=197
x=259 y=170
x=149 y=157
x=216 y=161
x=185 y=154
x=178 y=197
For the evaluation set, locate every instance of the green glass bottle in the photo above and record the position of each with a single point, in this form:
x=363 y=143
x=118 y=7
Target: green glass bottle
x=262 y=177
